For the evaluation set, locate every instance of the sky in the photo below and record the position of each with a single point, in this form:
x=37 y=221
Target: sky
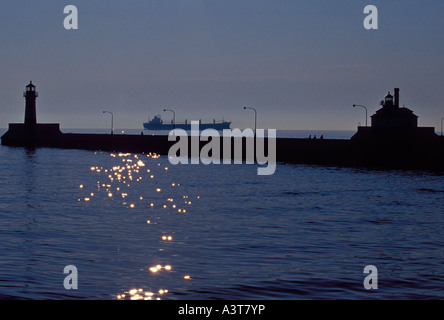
x=301 y=64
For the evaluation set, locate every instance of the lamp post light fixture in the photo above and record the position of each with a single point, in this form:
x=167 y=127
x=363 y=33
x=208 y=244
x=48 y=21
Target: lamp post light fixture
x=112 y=121
x=255 y=118
x=174 y=117
x=359 y=105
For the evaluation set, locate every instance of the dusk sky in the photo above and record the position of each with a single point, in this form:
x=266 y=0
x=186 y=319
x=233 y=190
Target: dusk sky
x=301 y=64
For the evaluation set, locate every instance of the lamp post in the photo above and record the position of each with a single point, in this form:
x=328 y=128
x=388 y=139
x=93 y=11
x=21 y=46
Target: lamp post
x=255 y=118
x=174 y=117
x=112 y=121
x=359 y=105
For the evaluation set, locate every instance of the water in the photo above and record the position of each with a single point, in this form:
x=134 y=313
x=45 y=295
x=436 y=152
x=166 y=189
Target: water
x=306 y=232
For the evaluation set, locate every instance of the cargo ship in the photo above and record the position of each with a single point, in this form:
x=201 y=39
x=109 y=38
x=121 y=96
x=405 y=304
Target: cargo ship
x=158 y=124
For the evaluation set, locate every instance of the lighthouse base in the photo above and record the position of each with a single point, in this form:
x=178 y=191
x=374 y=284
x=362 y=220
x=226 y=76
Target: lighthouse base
x=20 y=135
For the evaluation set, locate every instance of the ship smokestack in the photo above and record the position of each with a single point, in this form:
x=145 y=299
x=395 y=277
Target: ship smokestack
x=397 y=97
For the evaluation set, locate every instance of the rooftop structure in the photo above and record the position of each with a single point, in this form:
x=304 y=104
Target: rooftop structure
x=393 y=123
x=391 y=115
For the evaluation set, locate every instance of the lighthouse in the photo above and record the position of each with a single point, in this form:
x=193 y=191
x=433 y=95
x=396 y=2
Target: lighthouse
x=394 y=126
x=30 y=133
x=392 y=116
x=30 y=112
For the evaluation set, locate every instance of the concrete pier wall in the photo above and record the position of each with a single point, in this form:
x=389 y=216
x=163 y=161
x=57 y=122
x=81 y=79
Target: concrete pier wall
x=365 y=152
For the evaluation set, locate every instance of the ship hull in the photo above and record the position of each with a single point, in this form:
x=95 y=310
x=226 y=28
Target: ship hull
x=185 y=126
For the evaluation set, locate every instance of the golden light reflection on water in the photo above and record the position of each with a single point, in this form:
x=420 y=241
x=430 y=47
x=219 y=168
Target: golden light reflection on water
x=140 y=294
x=152 y=197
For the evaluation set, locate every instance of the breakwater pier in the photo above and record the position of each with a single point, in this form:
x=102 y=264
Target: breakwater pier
x=393 y=141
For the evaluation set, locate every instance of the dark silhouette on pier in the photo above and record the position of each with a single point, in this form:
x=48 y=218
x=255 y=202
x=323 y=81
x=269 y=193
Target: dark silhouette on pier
x=393 y=141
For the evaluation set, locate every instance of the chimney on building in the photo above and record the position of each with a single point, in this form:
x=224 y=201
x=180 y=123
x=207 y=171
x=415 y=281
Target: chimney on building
x=397 y=97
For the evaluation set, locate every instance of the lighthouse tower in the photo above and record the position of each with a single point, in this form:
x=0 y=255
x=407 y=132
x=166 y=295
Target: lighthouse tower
x=30 y=133
x=30 y=112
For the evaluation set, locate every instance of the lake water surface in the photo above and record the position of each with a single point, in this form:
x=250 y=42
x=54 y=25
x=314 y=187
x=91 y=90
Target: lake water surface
x=136 y=226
